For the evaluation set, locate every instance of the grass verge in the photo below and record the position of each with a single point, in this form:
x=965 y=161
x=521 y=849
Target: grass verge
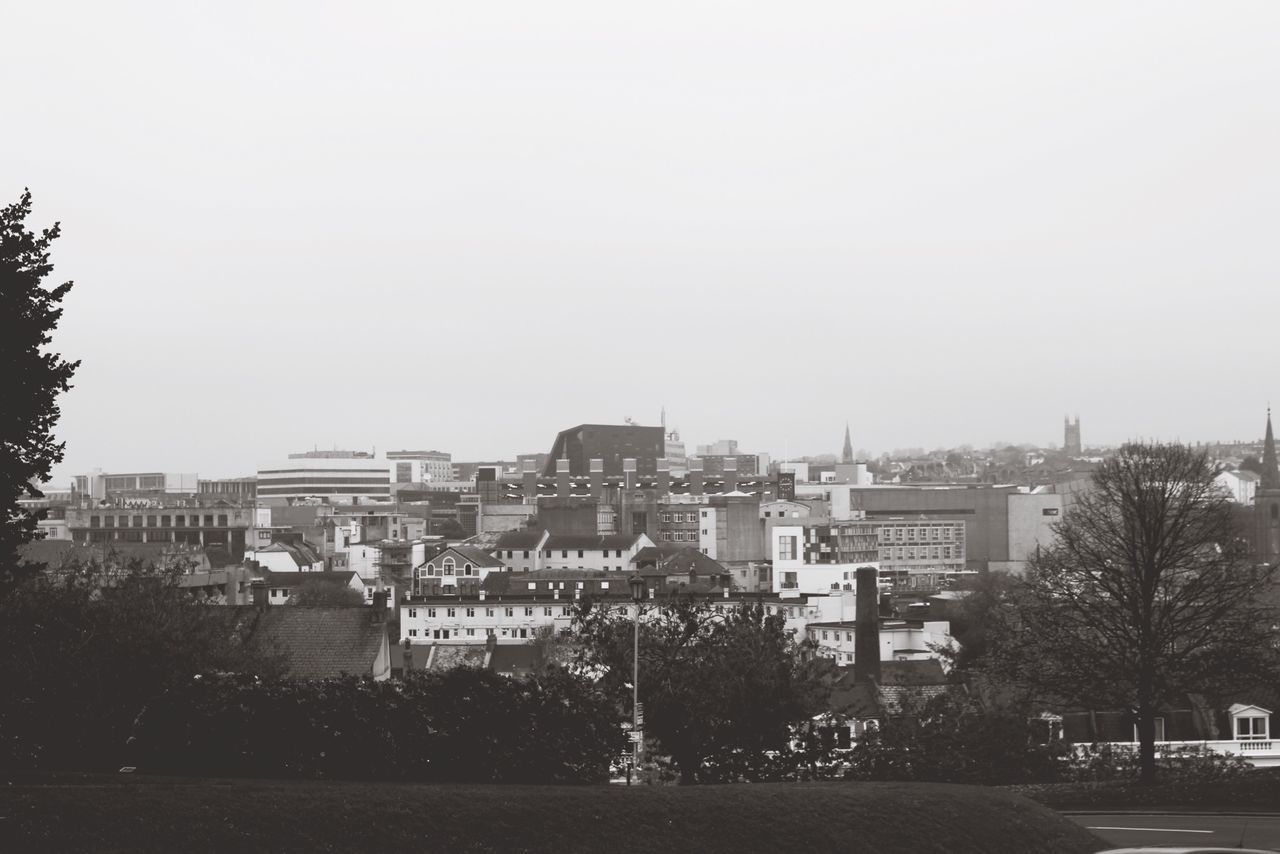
x=114 y=814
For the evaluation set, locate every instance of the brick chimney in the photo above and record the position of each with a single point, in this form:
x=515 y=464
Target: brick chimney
x=866 y=639
x=562 y=479
x=260 y=597
x=597 y=478
x=695 y=477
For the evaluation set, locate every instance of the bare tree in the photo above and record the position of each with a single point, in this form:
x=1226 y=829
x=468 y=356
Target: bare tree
x=1149 y=592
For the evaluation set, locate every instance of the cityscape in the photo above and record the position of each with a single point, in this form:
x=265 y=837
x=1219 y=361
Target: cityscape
x=698 y=427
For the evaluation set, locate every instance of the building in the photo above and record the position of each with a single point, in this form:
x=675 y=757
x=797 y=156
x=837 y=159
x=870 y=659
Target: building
x=433 y=466
x=325 y=479
x=601 y=552
x=1240 y=485
x=241 y=490
x=177 y=521
x=100 y=486
x=899 y=640
x=1071 y=437
x=522 y=550
x=729 y=529
x=920 y=554
x=819 y=559
x=454 y=571
x=321 y=642
x=288 y=558
x=611 y=443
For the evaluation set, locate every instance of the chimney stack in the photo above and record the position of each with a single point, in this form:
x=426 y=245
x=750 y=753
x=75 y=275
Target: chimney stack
x=529 y=477
x=866 y=649
x=695 y=477
x=597 y=479
x=260 y=598
x=730 y=474
x=562 y=479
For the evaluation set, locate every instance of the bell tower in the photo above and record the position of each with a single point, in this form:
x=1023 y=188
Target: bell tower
x=1266 y=502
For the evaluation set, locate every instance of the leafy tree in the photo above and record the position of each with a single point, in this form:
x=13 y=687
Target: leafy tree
x=984 y=597
x=33 y=376
x=87 y=647
x=722 y=687
x=1251 y=463
x=1148 y=592
x=317 y=592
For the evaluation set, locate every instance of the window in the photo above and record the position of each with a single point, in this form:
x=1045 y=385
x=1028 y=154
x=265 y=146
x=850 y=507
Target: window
x=511 y=612
x=546 y=612
x=151 y=521
x=528 y=610
x=564 y=610
x=526 y=553
x=604 y=585
x=471 y=612
x=208 y=520
x=786 y=548
x=1251 y=728
x=565 y=553
x=824 y=636
x=165 y=522
x=222 y=521
x=413 y=633
x=767 y=514
x=533 y=585
x=488 y=612
x=471 y=633
x=451 y=612
x=413 y=613
x=431 y=612
x=137 y=521
x=466 y=569
x=704 y=532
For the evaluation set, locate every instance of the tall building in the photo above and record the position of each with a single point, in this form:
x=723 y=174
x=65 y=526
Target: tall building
x=1071 y=437
x=435 y=465
x=611 y=443
x=846 y=456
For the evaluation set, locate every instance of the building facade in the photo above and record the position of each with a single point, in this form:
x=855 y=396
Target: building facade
x=325 y=480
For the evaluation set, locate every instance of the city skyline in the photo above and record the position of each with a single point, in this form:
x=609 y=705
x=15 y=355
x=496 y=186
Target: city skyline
x=315 y=225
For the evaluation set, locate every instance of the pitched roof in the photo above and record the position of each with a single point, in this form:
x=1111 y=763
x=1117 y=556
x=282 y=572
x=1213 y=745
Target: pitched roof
x=693 y=559
x=592 y=542
x=319 y=642
x=294 y=579
x=467 y=554
x=500 y=582
x=527 y=538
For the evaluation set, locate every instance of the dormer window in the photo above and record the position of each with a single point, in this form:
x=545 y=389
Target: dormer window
x=1250 y=723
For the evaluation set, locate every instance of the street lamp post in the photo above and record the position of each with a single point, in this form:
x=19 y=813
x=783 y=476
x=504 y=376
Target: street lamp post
x=637 y=596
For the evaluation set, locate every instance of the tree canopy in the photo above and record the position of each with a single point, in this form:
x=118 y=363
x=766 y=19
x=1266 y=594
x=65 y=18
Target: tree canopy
x=316 y=592
x=722 y=687
x=29 y=312
x=1148 y=592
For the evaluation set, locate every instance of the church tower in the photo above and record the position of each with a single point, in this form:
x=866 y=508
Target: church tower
x=1071 y=437
x=1266 y=501
x=846 y=455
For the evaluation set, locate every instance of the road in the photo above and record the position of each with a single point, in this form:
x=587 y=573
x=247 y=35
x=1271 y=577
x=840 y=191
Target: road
x=1223 y=831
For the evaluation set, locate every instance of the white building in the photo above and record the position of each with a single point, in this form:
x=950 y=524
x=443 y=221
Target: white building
x=331 y=480
x=1240 y=485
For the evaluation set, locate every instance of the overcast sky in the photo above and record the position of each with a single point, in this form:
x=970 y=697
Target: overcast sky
x=466 y=226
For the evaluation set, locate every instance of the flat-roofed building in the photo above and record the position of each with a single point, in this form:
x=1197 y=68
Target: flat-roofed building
x=328 y=480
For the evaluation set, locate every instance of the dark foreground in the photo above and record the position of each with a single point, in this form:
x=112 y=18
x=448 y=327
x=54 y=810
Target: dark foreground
x=128 y=813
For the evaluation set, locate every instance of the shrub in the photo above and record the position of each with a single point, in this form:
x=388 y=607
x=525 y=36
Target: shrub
x=463 y=725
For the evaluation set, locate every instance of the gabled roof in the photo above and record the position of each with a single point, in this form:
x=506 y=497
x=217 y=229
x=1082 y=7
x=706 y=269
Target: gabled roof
x=465 y=554
x=319 y=642
x=685 y=560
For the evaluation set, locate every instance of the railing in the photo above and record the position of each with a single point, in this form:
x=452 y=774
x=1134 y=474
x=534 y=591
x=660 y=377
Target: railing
x=1262 y=752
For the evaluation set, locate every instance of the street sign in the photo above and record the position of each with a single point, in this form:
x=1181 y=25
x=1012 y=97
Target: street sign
x=636 y=736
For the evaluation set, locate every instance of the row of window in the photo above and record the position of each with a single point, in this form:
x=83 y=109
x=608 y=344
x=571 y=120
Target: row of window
x=925 y=533
x=447 y=569
x=680 y=517
x=679 y=536
x=509 y=611
x=444 y=634
x=564 y=553
x=922 y=553
x=184 y=521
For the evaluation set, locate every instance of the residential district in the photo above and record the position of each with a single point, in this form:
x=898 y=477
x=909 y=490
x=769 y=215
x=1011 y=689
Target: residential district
x=474 y=562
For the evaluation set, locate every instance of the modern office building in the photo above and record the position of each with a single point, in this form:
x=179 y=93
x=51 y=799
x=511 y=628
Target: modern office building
x=329 y=480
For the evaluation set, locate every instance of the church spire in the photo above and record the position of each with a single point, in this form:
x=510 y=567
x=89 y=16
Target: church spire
x=1270 y=470
x=847 y=455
